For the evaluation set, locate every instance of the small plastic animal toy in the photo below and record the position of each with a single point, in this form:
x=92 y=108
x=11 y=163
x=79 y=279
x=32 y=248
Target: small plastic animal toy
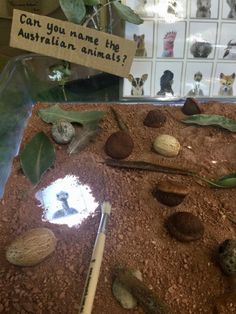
x=226 y=84
x=137 y=84
x=166 y=83
x=196 y=90
x=232 y=12
x=203 y=8
x=168 y=40
x=141 y=50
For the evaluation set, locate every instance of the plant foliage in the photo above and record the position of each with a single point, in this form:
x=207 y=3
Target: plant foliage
x=37 y=156
x=216 y=120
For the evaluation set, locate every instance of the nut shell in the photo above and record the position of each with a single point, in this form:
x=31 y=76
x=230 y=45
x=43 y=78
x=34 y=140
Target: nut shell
x=185 y=226
x=155 y=119
x=31 y=247
x=191 y=107
x=170 y=193
x=119 y=145
x=166 y=145
x=227 y=257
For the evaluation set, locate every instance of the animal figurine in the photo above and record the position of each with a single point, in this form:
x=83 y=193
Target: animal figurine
x=166 y=83
x=203 y=8
x=168 y=41
x=226 y=84
x=196 y=90
x=201 y=49
x=141 y=50
x=66 y=210
x=172 y=7
x=137 y=84
x=230 y=50
x=232 y=12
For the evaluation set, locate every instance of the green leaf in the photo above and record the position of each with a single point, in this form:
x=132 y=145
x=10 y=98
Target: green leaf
x=55 y=113
x=91 y=2
x=227 y=181
x=74 y=10
x=126 y=13
x=37 y=156
x=217 y=120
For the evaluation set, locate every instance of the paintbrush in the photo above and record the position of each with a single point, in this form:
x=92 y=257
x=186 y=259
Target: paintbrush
x=95 y=263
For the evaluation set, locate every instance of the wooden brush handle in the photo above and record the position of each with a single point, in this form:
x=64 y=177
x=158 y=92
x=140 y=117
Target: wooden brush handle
x=92 y=276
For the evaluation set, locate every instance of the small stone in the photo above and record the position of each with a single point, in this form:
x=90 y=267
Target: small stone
x=227 y=257
x=155 y=119
x=123 y=296
x=119 y=145
x=185 y=226
x=170 y=193
x=62 y=132
x=191 y=107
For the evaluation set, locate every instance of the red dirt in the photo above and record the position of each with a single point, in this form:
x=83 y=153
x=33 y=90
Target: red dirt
x=184 y=275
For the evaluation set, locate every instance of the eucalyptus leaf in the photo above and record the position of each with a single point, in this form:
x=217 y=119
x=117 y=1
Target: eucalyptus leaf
x=55 y=113
x=37 y=156
x=227 y=181
x=216 y=120
x=126 y=13
x=91 y=2
x=74 y=10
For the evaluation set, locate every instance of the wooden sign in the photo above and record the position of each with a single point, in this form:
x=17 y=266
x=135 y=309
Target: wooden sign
x=71 y=42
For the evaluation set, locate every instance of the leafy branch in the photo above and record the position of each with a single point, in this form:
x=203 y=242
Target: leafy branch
x=77 y=11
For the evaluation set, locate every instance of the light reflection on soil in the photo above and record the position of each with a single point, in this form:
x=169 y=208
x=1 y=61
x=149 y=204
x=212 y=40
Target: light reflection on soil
x=66 y=201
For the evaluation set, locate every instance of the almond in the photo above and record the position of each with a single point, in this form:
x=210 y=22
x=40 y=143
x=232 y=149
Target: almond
x=31 y=247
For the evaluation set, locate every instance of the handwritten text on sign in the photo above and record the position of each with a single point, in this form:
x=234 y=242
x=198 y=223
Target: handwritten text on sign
x=71 y=42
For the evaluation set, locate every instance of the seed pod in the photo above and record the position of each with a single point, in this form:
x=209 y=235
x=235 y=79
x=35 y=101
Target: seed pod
x=62 y=132
x=185 y=226
x=155 y=119
x=227 y=257
x=31 y=247
x=119 y=145
x=166 y=145
x=191 y=107
x=170 y=193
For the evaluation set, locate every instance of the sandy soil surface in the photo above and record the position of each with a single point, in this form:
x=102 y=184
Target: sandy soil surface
x=184 y=275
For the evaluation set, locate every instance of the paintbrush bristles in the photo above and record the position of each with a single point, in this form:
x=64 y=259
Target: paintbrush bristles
x=106 y=208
